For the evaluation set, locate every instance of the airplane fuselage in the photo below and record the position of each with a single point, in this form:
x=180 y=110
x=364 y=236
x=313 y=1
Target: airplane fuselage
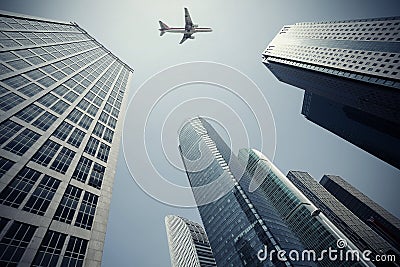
x=183 y=30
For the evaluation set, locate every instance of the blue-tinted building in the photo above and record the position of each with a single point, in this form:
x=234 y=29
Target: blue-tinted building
x=350 y=73
x=238 y=223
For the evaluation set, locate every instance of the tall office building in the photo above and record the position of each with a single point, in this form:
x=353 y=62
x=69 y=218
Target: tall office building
x=350 y=73
x=188 y=243
x=378 y=218
x=239 y=222
x=62 y=97
x=355 y=229
x=315 y=229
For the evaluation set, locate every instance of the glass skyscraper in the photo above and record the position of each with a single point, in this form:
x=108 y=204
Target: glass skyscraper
x=356 y=230
x=315 y=229
x=238 y=223
x=188 y=243
x=62 y=97
x=350 y=73
x=378 y=218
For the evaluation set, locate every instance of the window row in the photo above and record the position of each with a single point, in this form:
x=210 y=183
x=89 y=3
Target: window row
x=47 y=154
x=20 y=186
x=96 y=148
x=69 y=205
x=86 y=166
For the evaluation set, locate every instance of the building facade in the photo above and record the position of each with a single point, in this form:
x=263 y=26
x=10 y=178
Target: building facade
x=378 y=218
x=238 y=223
x=349 y=69
x=188 y=243
x=355 y=229
x=62 y=97
x=315 y=229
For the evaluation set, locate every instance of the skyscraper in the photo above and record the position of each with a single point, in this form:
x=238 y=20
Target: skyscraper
x=238 y=222
x=62 y=97
x=356 y=230
x=350 y=73
x=315 y=229
x=188 y=243
x=378 y=218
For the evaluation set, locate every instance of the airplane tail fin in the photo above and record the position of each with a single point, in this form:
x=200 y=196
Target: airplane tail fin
x=163 y=26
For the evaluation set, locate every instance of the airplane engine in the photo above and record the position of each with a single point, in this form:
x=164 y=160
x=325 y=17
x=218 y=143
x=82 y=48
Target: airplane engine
x=192 y=37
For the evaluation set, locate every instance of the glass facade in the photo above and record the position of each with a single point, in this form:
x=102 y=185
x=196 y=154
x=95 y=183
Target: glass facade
x=350 y=68
x=356 y=230
x=188 y=243
x=238 y=223
x=379 y=219
x=58 y=88
x=313 y=228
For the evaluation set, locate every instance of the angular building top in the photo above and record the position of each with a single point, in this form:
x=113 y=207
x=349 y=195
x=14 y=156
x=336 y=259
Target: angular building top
x=238 y=223
x=378 y=218
x=349 y=69
x=188 y=243
x=62 y=99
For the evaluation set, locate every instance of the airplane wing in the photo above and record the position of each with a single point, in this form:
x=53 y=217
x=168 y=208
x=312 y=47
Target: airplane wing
x=188 y=20
x=185 y=37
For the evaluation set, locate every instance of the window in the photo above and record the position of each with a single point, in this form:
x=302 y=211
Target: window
x=47 y=100
x=93 y=110
x=60 y=107
x=82 y=169
x=63 y=160
x=75 y=115
x=46 y=153
x=42 y=196
x=47 y=81
x=20 y=144
x=16 y=81
x=91 y=146
x=104 y=117
x=108 y=135
x=60 y=90
x=96 y=177
x=83 y=104
x=29 y=113
x=50 y=249
x=71 y=96
x=15 y=192
x=112 y=122
x=103 y=152
x=5 y=165
x=9 y=101
x=45 y=121
x=30 y=90
x=75 y=252
x=99 y=129
x=66 y=210
x=14 y=243
x=87 y=210
x=63 y=130
x=7 y=130
x=85 y=122
x=76 y=138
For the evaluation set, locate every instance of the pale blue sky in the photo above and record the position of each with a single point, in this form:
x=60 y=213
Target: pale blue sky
x=242 y=30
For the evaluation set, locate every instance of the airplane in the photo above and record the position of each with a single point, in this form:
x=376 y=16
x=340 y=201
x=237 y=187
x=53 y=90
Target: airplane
x=189 y=29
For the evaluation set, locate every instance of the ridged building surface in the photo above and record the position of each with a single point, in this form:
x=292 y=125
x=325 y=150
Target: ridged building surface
x=62 y=99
